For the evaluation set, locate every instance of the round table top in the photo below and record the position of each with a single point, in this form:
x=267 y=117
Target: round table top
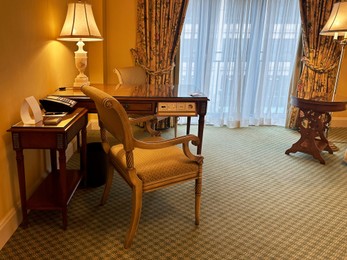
x=319 y=106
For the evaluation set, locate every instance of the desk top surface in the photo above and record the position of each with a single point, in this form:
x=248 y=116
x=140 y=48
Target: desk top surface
x=123 y=91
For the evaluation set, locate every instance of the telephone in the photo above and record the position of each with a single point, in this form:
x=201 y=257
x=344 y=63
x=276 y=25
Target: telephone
x=57 y=104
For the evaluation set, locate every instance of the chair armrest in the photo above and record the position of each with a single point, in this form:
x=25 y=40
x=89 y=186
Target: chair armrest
x=148 y=122
x=163 y=143
x=142 y=119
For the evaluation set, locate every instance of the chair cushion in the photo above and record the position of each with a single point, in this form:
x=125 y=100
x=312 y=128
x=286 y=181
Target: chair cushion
x=157 y=165
x=135 y=75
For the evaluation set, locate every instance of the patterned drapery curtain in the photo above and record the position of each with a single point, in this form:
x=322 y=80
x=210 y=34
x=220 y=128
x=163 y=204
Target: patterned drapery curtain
x=320 y=54
x=159 y=26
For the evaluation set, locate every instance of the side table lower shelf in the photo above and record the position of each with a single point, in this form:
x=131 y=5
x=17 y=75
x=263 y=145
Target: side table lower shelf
x=48 y=195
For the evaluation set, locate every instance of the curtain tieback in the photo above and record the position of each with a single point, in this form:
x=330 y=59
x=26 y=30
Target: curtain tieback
x=323 y=69
x=159 y=72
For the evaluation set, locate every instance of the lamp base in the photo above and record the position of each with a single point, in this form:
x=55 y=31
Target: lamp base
x=81 y=80
x=81 y=64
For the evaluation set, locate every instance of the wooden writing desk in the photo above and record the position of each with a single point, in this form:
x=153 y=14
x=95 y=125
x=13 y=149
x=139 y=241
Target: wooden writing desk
x=136 y=100
x=58 y=187
x=313 y=125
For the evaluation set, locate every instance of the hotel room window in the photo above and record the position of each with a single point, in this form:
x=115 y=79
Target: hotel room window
x=240 y=53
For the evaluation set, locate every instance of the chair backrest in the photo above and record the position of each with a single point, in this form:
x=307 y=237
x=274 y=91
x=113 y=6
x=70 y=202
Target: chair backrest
x=112 y=116
x=135 y=75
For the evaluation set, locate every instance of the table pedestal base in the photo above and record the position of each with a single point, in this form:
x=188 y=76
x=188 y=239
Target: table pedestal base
x=313 y=121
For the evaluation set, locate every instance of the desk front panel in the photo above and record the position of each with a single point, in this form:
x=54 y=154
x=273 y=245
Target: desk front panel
x=132 y=101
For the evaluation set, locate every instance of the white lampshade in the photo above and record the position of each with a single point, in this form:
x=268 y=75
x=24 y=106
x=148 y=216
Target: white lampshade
x=337 y=22
x=80 y=24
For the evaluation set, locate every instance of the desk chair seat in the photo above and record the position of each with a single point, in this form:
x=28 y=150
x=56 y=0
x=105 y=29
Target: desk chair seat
x=147 y=164
x=134 y=75
x=159 y=166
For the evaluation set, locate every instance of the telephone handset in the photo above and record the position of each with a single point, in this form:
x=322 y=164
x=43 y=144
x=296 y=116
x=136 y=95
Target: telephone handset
x=57 y=104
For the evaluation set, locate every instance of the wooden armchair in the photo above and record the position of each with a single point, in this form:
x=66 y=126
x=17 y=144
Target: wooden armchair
x=146 y=165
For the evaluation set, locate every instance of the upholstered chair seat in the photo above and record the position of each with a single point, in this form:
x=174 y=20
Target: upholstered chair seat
x=157 y=167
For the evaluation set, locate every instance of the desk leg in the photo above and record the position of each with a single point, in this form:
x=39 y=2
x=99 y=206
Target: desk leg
x=53 y=154
x=188 y=125
x=63 y=186
x=83 y=152
x=22 y=188
x=200 y=132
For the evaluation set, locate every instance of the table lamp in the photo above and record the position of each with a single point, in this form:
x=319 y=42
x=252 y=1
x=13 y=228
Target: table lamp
x=337 y=26
x=80 y=27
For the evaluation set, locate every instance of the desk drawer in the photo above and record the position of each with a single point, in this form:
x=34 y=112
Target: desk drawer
x=139 y=107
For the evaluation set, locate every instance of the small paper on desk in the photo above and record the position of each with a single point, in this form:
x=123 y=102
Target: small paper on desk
x=197 y=94
x=52 y=120
x=55 y=114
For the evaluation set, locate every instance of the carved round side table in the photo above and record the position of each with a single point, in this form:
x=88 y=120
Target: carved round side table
x=313 y=122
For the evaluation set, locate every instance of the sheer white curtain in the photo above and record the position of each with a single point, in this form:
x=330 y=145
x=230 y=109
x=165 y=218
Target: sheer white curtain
x=240 y=53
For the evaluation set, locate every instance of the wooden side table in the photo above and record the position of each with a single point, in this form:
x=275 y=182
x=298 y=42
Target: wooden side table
x=56 y=190
x=313 y=122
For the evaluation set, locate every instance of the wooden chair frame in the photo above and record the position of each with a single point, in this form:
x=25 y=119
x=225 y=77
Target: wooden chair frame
x=113 y=119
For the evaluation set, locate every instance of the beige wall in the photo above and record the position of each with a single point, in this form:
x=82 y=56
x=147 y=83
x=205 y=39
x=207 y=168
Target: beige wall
x=32 y=63
x=119 y=31
x=121 y=35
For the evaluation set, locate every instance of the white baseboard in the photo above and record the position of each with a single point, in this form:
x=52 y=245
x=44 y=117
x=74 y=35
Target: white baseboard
x=339 y=122
x=9 y=225
x=13 y=219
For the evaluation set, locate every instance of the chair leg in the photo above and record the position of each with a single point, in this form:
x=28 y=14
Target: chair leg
x=135 y=215
x=198 y=186
x=108 y=185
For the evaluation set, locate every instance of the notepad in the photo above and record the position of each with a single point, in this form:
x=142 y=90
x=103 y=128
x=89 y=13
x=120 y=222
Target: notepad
x=52 y=120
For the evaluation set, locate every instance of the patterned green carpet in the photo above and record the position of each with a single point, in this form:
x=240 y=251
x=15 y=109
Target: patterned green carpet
x=257 y=203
